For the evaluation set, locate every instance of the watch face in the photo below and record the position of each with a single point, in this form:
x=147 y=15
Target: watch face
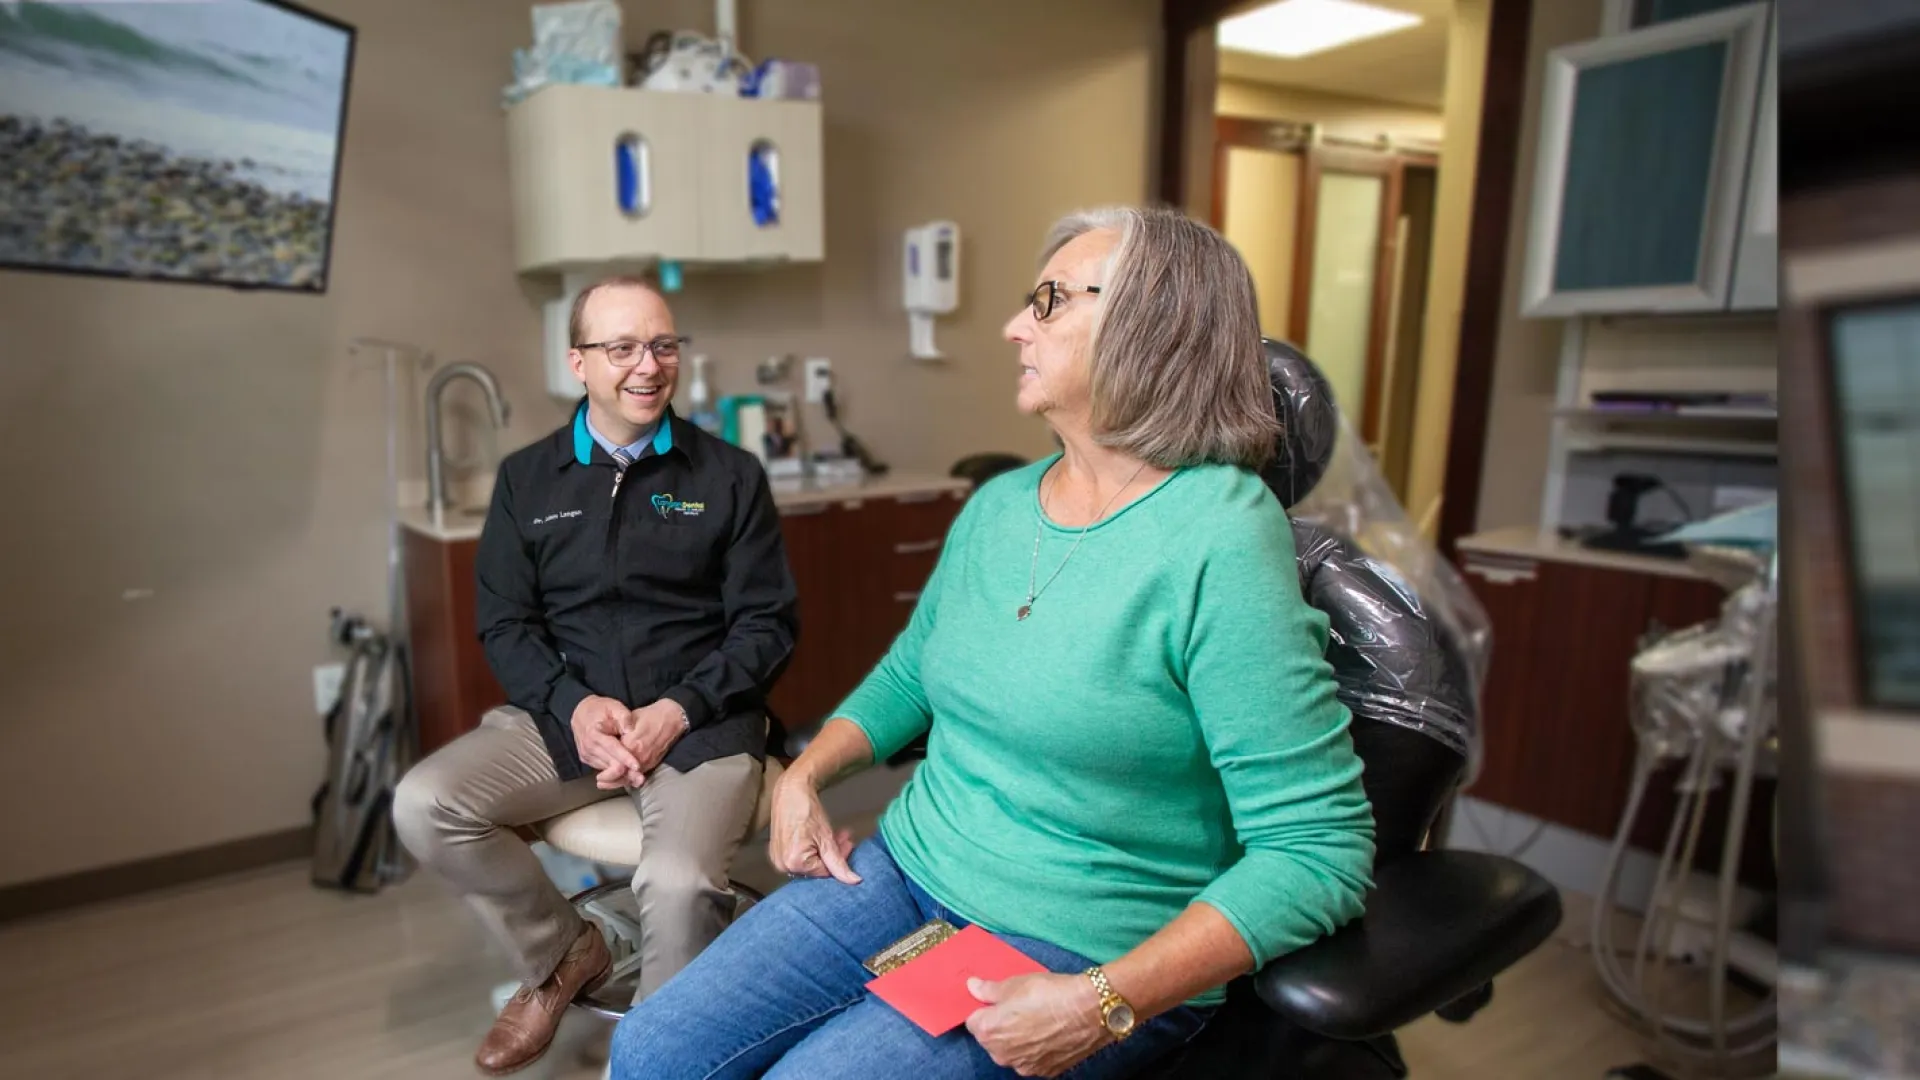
x=1120 y=1020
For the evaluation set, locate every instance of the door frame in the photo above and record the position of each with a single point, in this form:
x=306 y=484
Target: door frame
x=1279 y=136
x=1189 y=70
x=1317 y=156
x=1390 y=165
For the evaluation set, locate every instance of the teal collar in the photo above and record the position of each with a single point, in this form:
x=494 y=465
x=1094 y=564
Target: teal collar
x=583 y=438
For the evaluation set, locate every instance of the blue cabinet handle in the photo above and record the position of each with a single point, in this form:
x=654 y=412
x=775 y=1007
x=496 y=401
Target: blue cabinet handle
x=633 y=175
x=763 y=183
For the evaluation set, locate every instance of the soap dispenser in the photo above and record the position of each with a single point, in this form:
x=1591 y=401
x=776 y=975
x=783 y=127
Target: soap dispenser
x=701 y=398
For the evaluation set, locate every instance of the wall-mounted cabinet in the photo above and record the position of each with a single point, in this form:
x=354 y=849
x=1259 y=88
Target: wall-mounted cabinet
x=604 y=176
x=751 y=142
x=1647 y=179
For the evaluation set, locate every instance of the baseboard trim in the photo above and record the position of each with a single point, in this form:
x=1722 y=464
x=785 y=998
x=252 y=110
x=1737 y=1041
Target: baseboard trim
x=68 y=891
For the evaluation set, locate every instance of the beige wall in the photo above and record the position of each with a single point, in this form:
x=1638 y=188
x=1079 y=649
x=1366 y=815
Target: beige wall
x=1732 y=353
x=194 y=476
x=1358 y=118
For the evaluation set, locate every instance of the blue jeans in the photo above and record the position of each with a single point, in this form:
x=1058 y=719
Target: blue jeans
x=783 y=994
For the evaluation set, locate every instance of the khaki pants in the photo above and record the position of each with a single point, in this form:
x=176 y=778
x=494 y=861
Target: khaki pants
x=457 y=809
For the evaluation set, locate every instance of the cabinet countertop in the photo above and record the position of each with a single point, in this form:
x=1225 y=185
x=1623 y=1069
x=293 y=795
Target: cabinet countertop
x=798 y=493
x=1526 y=542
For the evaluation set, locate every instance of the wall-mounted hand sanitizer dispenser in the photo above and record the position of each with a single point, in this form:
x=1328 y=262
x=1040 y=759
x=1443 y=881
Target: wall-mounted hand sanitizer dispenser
x=930 y=273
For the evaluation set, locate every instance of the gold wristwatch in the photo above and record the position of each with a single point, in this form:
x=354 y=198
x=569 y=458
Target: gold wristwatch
x=1115 y=1014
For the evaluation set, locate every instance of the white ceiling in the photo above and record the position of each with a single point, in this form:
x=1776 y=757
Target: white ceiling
x=1408 y=66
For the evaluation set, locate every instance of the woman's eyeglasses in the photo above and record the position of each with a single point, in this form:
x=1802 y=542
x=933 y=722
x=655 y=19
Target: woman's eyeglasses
x=1046 y=297
x=626 y=353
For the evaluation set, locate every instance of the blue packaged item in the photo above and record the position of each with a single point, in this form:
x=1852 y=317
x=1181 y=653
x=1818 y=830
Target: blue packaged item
x=763 y=185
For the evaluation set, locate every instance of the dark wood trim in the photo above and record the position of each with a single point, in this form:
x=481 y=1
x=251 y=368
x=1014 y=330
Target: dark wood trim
x=1503 y=96
x=1815 y=511
x=147 y=875
x=1217 y=206
x=1232 y=131
x=1307 y=214
x=1179 y=21
x=1818 y=553
x=1260 y=134
x=1169 y=173
x=1380 y=327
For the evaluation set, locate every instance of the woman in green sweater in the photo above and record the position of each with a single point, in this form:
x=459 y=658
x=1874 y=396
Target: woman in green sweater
x=1137 y=772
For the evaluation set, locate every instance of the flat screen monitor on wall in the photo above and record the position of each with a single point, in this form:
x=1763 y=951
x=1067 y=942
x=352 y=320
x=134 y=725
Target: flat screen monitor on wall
x=179 y=140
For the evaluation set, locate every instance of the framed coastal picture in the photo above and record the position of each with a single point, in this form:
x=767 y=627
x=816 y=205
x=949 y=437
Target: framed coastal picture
x=181 y=140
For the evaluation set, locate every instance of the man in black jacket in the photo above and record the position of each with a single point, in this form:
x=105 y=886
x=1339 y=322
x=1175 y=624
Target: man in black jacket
x=635 y=603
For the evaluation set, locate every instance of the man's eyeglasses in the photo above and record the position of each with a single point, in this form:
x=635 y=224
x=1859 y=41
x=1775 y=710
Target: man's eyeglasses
x=625 y=352
x=1046 y=297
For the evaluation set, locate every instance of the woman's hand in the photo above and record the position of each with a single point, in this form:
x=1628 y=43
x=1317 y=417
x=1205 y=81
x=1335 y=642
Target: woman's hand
x=1038 y=1025
x=801 y=841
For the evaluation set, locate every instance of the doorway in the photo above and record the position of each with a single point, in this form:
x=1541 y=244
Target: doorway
x=1338 y=236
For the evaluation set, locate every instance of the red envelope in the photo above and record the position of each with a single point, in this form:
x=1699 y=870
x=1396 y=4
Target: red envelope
x=931 y=989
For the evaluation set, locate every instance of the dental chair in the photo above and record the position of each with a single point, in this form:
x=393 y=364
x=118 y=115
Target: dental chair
x=1438 y=925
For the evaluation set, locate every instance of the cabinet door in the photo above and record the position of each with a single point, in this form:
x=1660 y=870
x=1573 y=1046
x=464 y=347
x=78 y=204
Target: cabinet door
x=818 y=674
x=747 y=142
x=907 y=534
x=453 y=686
x=1509 y=591
x=1642 y=165
x=1558 y=744
x=1591 y=623
x=1756 y=270
x=604 y=175
x=859 y=568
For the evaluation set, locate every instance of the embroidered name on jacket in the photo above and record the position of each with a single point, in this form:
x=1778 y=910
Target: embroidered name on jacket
x=556 y=517
x=668 y=506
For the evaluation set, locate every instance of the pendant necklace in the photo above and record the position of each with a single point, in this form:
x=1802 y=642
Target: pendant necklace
x=1039 y=530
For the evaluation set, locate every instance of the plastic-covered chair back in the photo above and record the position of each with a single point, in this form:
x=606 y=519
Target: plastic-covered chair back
x=1407 y=640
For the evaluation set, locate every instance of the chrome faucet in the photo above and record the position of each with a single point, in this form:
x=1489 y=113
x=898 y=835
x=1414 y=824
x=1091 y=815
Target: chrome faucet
x=436 y=388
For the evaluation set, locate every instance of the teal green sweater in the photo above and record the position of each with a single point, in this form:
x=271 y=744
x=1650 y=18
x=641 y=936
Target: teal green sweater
x=1161 y=730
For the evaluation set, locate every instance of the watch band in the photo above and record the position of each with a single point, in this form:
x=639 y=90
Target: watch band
x=1110 y=1003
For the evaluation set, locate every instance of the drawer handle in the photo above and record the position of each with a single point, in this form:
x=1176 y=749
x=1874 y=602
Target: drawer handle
x=803 y=510
x=1502 y=575
x=906 y=597
x=916 y=547
x=916 y=497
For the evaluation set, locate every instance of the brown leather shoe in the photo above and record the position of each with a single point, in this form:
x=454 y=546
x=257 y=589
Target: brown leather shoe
x=526 y=1026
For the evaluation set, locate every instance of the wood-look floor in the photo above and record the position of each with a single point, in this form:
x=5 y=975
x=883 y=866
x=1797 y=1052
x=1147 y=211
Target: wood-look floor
x=261 y=975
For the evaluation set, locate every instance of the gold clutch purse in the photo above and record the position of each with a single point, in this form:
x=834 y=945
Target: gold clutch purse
x=909 y=947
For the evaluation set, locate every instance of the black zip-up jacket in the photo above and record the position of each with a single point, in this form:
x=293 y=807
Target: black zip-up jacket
x=671 y=583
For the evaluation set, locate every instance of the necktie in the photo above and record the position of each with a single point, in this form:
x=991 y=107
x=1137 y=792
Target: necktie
x=621 y=459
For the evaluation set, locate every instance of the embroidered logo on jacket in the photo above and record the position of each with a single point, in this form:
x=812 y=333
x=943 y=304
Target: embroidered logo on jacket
x=668 y=506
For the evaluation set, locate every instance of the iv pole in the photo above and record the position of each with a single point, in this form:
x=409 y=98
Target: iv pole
x=392 y=353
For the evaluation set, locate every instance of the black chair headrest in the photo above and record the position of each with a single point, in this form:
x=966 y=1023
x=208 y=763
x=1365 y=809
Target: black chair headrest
x=1309 y=422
